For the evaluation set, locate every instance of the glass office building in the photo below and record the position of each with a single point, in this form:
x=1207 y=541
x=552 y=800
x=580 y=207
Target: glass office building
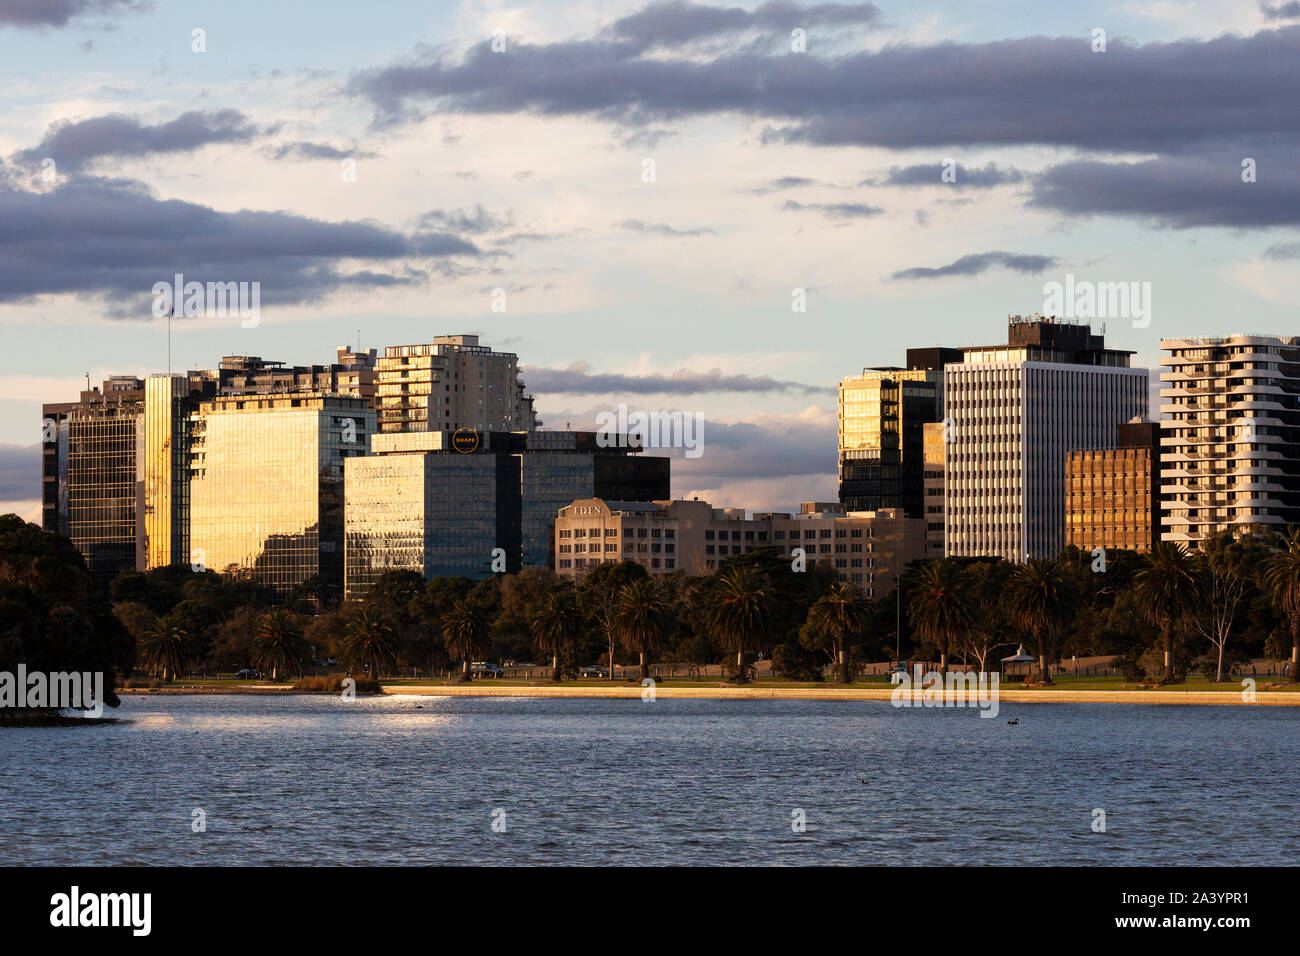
x=101 y=486
x=266 y=487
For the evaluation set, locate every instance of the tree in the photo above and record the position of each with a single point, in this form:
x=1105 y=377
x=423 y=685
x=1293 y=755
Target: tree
x=1281 y=581
x=840 y=612
x=280 y=646
x=639 y=620
x=165 y=647
x=940 y=608
x=466 y=632
x=556 y=623
x=739 y=612
x=1224 y=566
x=1041 y=602
x=1166 y=592
x=599 y=595
x=369 y=638
x=988 y=627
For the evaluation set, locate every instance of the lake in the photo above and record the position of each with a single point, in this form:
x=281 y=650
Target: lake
x=406 y=780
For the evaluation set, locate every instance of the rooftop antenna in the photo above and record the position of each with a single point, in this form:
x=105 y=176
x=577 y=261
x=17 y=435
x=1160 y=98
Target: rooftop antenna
x=170 y=313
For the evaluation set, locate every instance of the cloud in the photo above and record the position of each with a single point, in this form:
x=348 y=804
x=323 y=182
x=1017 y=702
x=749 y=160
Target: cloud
x=115 y=239
x=837 y=210
x=57 y=13
x=662 y=229
x=1176 y=191
x=677 y=22
x=1280 y=11
x=975 y=263
x=783 y=183
x=931 y=175
x=1283 y=251
x=302 y=150
x=73 y=145
x=577 y=380
x=20 y=472
x=476 y=220
x=1054 y=91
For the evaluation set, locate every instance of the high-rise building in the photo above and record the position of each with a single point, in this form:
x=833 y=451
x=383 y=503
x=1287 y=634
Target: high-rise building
x=1015 y=412
x=266 y=485
x=449 y=384
x=881 y=416
x=1113 y=495
x=1231 y=436
x=455 y=503
x=933 y=443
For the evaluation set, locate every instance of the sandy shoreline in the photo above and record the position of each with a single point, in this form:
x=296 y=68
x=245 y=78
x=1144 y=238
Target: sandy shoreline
x=667 y=691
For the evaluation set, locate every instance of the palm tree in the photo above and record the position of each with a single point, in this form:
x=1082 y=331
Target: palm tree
x=556 y=623
x=369 y=638
x=835 y=615
x=1281 y=581
x=639 y=620
x=1166 y=591
x=1041 y=601
x=738 y=611
x=165 y=646
x=280 y=644
x=940 y=608
x=466 y=633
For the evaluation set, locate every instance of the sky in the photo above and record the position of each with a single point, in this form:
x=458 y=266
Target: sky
x=629 y=194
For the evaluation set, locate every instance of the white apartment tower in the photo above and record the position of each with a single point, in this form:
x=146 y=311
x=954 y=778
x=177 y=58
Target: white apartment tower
x=1232 y=408
x=1013 y=413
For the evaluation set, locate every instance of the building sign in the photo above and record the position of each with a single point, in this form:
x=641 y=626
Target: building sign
x=464 y=440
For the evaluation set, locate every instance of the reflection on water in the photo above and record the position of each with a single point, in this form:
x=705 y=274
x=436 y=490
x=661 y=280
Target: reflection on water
x=415 y=780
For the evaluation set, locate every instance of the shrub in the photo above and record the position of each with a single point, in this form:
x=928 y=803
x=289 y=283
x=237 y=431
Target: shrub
x=333 y=684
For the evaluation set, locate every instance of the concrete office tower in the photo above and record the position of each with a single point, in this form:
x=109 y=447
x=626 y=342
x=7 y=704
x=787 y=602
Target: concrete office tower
x=933 y=456
x=1113 y=495
x=420 y=502
x=352 y=374
x=266 y=489
x=449 y=384
x=881 y=416
x=1231 y=437
x=1015 y=412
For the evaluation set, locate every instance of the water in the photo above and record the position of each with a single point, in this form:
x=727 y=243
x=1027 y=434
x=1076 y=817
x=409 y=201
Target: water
x=317 y=780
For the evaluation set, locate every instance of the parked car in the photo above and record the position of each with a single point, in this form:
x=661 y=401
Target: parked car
x=595 y=670
x=486 y=668
x=246 y=674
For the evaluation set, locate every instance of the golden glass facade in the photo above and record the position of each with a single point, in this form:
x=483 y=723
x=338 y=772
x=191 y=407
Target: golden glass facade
x=881 y=414
x=267 y=485
x=1112 y=499
x=101 y=476
x=432 y=513
x=164 y=466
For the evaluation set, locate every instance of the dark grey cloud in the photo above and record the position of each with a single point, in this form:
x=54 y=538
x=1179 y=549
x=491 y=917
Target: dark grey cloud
x=678 y=22
x=931 y=175
x=73 y=145
x=1178 y=192
x=57 y=13
x=1283 y=251
x=302 y=150
x=114 y=239
x=836 y=210
x=748 y=451
x=578 y=380
x=1155 y=97
x=476 y=220
x=975 y=263
x=783 y=183
x=1280 y=11
x=663 y=229
x=20 y=471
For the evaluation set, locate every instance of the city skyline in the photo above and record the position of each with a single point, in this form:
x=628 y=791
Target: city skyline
x=670 y=294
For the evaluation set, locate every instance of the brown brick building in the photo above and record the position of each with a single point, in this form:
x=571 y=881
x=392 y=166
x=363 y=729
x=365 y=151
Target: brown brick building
x=1112 y=495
